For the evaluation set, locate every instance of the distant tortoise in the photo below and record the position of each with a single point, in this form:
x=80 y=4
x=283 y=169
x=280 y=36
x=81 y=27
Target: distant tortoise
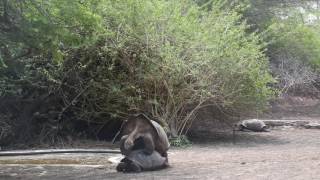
x=252 y=125
x=138 y=161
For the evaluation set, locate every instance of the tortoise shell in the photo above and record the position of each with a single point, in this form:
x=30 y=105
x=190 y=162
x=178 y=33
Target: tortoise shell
x=253 y=125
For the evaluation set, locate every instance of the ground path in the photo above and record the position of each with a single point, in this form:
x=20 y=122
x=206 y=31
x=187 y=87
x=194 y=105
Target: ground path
x=284 y=153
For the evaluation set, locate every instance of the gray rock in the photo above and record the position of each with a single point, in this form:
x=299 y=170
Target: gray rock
x=312 y=126
x=295 y=123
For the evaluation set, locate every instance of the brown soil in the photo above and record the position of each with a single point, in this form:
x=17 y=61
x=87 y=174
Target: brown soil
x=283 y=153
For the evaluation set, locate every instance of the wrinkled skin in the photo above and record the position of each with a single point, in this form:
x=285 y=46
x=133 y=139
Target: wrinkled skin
x=138 y=161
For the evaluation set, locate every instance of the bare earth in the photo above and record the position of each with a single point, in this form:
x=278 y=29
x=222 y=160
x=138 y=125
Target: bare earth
x=284 y=153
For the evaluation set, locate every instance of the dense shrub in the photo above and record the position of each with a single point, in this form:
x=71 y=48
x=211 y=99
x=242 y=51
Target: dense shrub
x=294 y=52
x=164 y=58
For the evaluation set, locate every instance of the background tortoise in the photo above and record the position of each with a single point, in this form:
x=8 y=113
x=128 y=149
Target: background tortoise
x=252 y=125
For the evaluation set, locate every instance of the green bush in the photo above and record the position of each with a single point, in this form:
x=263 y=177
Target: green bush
x=181 y=141
x=167 y=59
x=298 y=40
x=295 y=55
x=168 y=56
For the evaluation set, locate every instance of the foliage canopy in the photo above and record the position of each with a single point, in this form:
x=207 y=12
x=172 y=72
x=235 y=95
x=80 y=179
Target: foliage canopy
x=99 y=60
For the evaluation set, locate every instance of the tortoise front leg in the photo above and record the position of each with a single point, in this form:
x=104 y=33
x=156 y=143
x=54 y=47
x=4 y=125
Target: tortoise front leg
x=123 y=150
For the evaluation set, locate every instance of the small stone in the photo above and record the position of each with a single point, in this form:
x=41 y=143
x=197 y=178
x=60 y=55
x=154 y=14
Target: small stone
x=312 y=126
x=243 y=163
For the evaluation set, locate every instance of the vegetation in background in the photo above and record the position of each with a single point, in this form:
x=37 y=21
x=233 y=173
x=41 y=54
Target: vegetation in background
x=291 y=30
x=67 y=62
x=180 y=141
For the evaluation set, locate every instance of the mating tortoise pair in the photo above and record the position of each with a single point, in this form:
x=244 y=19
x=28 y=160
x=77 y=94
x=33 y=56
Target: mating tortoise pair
x=144 y=144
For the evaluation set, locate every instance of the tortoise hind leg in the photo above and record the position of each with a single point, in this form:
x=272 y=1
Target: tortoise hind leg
x=121 y=167
x=149 y=146
x=133 y=167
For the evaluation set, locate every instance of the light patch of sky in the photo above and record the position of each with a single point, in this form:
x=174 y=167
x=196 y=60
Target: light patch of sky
x=309 y=17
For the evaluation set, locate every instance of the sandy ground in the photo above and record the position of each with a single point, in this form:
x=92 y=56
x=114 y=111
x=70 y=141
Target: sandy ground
x=285 y=153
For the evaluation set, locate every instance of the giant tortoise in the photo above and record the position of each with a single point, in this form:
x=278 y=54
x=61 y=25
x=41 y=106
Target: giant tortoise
x=138 y=161
x=140 y=132
x=255 y=125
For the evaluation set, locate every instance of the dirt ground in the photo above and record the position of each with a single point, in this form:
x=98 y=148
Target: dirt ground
x=284 y=153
